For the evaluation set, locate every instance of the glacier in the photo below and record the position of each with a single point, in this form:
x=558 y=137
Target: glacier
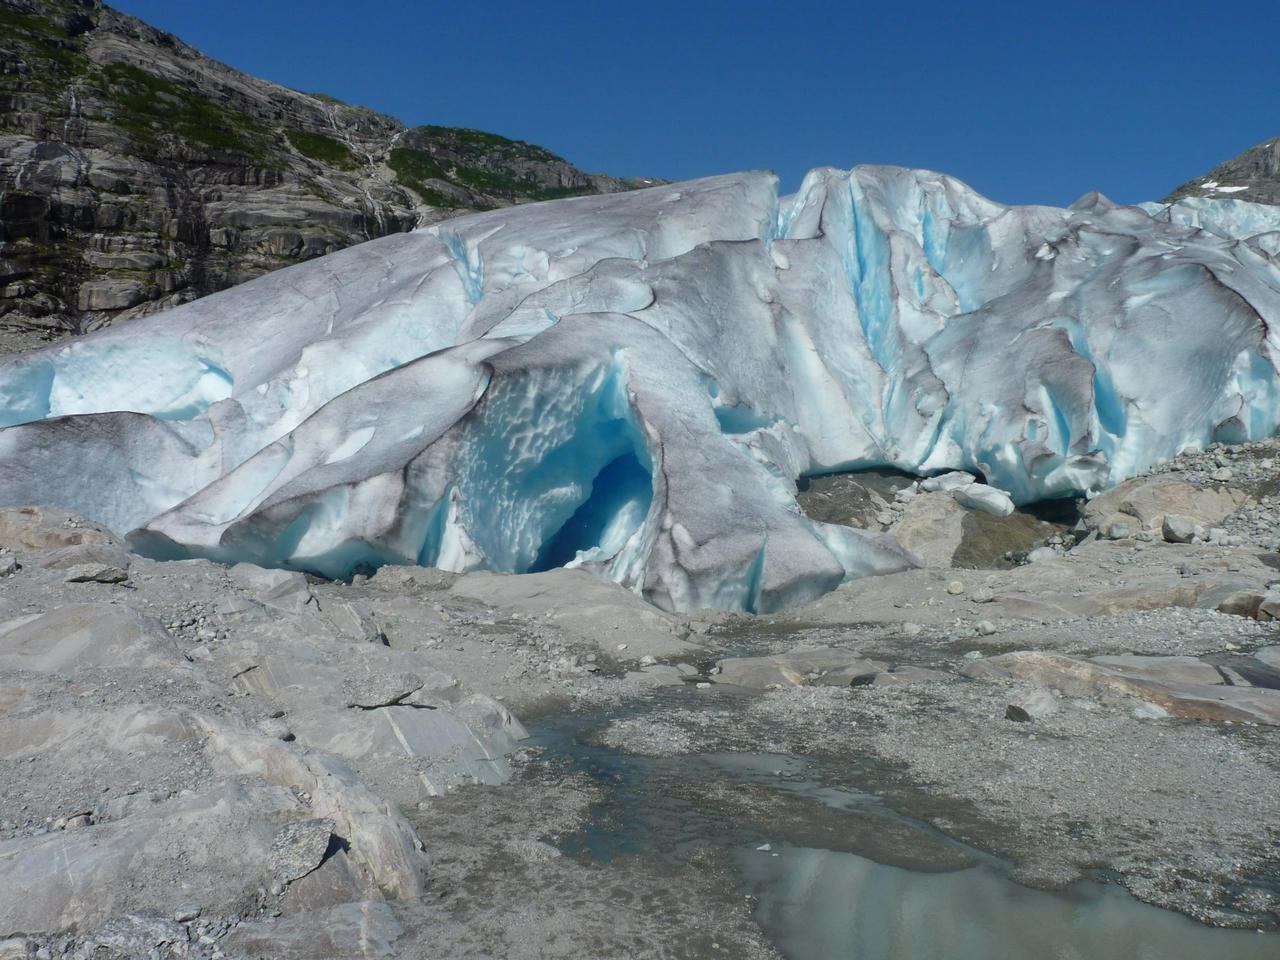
x=635 y=383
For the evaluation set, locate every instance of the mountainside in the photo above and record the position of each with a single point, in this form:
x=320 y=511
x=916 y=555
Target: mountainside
x=1253 y=176
x=137 y=174
x=634 y=384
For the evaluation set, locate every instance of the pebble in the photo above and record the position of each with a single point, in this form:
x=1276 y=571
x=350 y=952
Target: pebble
x=955 y=587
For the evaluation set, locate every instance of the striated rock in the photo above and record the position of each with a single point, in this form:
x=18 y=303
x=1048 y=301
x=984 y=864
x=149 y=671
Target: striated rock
x=355 y=620
x=1172 y=670
x=600 y=614
x=100 y=554
x=367 y=930
x=95 y=573
x=984 y=669
x=48 y=528
x=1147 y=500
x=821 y=667
x=1192 y=700
x=84 y=635
x=285 y=589
x=401 y=578
x=121 y=865
x=381 y=842
x=931 y=526
x=1033 y=704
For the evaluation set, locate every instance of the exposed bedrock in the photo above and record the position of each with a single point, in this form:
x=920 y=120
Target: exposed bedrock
x=635 y=383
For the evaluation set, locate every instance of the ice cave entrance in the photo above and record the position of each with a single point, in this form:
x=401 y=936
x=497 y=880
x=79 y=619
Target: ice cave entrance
x=557 y=470
x=602 y=524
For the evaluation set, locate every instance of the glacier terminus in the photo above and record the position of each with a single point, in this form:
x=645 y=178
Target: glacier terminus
x=634 y=383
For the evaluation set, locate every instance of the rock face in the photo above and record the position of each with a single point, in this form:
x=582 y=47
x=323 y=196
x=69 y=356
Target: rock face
x=254 y=757
x=1145 y=502
x=1252 y=176
x=1179 y=686
x=136 y=174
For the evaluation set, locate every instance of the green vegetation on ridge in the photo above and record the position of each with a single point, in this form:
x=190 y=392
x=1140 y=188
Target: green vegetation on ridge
x=150 y=106
x=325 y=149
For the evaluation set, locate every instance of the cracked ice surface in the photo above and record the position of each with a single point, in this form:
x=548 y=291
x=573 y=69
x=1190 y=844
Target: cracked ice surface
x=633 y=383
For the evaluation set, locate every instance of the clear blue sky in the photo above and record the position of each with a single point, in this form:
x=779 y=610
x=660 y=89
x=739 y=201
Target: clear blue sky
x=1027 y=101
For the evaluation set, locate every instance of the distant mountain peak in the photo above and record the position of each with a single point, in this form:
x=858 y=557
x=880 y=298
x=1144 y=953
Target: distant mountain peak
x=1254 y=175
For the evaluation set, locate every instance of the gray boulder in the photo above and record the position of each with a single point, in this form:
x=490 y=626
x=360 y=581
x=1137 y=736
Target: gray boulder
x=285 y=589
x=1179 y=528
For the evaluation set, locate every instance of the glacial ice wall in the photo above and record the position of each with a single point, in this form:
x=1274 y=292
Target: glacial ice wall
x=634 y=383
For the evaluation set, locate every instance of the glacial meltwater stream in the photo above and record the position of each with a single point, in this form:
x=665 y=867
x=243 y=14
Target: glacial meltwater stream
x=835 y=874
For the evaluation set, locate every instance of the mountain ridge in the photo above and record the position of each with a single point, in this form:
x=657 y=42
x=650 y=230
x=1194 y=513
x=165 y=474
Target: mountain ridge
x=1253 y=175
x=136 y=173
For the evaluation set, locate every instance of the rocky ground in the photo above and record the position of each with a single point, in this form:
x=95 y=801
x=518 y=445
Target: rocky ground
x=199 y=761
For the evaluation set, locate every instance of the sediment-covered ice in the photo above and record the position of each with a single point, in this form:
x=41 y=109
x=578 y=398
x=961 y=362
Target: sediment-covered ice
x=634 y=383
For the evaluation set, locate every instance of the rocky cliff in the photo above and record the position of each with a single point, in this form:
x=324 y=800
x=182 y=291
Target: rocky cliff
x=1254 y=176
x=137 y=174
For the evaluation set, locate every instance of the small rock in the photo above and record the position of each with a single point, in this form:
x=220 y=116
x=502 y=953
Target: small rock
x=299 y=848
x=910 y=629
x=985 y=628
x=1242 y=603
x=954 y=480
x=982 y=595
x=1222 y=474
x=95 y=573
x=8 y=565
x=1178 y=529
x=1149 y=711
x=275 y=728
x=1117 y=530
x=1041 y=554
x=1034 y=704
x=380 y=689
x=955 y=587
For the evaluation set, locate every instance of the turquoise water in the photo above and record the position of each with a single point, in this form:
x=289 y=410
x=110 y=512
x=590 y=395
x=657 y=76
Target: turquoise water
x=845 y=877
x=816 y=903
